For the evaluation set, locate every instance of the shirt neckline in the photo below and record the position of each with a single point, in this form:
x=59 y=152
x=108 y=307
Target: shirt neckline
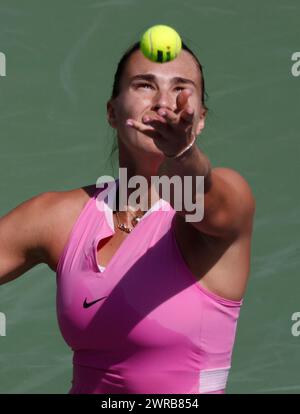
x=107 y=204
x=108 y=210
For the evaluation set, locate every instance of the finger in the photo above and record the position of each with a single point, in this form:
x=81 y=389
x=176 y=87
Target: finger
x=145 y=129
x=149 y=118
x=182 y=98
x=158 y=124
x=168 y=115
x=187 y=114
x=138 y=125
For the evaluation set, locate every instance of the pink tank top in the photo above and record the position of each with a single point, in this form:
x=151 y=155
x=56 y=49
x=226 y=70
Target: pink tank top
x=144 y=325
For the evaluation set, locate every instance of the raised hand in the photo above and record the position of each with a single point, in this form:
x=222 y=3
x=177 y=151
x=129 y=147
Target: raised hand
x=171 y=131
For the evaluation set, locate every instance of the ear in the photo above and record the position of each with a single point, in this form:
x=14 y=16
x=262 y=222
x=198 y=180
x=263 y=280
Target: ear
x=111 y=114
x=201 y=123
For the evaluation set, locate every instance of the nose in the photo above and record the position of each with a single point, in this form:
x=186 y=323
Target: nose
x=164 y=99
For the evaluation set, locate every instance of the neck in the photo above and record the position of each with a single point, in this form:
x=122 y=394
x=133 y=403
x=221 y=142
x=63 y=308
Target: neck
x=144 y=165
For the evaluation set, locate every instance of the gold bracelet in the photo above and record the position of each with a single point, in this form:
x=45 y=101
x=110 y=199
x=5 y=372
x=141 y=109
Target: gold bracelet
x=183 y=151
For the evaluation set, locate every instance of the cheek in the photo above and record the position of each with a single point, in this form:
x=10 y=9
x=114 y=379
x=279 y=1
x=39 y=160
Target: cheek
x=134 y=106
x=198 y=108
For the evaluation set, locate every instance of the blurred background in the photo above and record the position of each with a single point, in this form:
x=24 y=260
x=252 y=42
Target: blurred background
x=61 y=57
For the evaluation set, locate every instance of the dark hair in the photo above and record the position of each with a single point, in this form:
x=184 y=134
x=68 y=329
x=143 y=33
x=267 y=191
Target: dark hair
x=121 y=68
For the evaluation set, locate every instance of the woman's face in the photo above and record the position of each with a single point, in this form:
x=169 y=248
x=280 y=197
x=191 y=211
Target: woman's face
x=139 y=95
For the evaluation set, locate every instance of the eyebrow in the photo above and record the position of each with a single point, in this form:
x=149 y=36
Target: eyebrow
x=151 y=77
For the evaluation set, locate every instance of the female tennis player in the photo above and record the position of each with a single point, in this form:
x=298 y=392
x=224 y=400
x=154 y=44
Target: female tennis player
x=147 y=300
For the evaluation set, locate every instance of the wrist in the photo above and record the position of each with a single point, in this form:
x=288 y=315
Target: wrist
x=184 y=152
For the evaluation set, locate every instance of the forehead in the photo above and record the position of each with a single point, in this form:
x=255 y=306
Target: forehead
x=184 y=66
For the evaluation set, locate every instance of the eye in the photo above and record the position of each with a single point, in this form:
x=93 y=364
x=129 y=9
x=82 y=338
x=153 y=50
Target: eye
x=150 y=86
x=143 y=84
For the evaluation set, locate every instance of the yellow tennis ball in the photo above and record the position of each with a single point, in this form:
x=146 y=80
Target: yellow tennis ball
x=160 y=43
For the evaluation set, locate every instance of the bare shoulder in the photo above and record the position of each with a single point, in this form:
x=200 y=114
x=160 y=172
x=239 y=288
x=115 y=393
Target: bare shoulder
x=236 y=184
x=57 y=213
x=62 y=202
x=229 y=205
x=36 y=230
